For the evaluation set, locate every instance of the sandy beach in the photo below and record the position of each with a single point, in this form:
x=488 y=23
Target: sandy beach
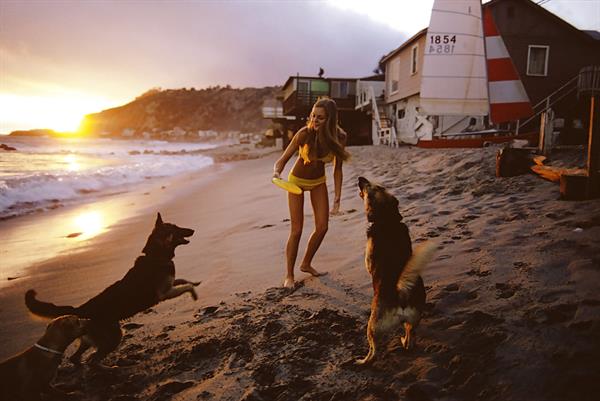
x=513 y=309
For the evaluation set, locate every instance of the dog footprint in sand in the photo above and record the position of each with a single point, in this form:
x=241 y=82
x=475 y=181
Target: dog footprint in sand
x=132 y=326
x=506 y=290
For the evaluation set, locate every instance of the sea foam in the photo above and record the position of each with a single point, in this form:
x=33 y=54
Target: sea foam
x=44 y=171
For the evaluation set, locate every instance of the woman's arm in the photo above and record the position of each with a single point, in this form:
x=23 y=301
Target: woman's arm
x=338 y=177
x=287 y=154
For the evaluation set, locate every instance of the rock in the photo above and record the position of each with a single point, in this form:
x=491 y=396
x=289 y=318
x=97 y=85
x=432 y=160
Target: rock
x=7 y=148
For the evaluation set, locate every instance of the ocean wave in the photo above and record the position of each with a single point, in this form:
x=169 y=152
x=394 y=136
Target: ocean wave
x=22 y=192
x=103 y=147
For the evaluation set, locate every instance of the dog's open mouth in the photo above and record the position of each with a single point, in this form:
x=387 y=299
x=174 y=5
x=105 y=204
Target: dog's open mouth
x=181 y=239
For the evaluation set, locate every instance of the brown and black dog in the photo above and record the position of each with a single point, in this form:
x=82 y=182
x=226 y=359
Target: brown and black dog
x=398 y=290
x=150 y=281
x=27 y=375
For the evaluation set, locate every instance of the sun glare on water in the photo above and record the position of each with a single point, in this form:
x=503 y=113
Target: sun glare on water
x=87 y=225
x=72 y=163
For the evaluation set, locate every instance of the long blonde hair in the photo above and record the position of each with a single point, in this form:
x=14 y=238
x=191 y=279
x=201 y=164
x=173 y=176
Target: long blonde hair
x=326 y=139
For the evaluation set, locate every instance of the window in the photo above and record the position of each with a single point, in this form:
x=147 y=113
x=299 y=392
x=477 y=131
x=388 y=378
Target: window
x=413 y=59
x=343 y=89
x=394 y=75
x=302 y=86
x=401 y=114
x=537 y=60
x=339 y=89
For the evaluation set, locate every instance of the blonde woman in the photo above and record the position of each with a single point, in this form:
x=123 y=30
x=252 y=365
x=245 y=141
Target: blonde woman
x=320 y=142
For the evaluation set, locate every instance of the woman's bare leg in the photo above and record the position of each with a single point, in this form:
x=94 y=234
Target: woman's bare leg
x=296 y=206
x=320 y=204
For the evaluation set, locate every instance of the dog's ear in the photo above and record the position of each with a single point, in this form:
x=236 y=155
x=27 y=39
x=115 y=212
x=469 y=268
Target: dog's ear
x=362 y=183
x=396 y=204
x=159 y=221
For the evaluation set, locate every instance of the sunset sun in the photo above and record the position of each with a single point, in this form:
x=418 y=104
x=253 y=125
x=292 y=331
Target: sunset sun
x=60 y=112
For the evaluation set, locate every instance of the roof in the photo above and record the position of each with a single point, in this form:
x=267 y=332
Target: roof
x=321 y=78
x=593 y=34
x=556 y=18
x=410 y=41
x=588 y=35
x=377 y=77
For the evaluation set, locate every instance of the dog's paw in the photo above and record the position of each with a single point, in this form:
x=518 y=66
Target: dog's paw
x=195 y=283
x=363 y=362
x=193 y=294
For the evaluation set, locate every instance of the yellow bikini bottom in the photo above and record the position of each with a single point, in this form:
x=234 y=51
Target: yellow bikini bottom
x=306 y=184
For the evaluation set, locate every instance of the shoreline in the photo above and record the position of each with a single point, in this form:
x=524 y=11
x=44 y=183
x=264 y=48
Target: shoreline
x=107 y=207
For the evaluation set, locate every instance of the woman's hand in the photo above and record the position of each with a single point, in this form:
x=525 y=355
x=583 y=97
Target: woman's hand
x=276 y=174
x=335 y=209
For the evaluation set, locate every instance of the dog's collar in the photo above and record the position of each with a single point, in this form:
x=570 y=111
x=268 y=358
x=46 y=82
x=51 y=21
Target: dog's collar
x=50 y=350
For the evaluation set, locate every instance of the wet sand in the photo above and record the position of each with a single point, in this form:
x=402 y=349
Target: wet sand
x=513 y=309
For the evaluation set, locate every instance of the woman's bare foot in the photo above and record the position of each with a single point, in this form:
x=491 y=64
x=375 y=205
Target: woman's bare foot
x=311 y=270
x=288 y=283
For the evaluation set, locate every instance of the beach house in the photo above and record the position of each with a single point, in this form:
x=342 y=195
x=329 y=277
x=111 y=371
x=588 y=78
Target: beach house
x=546 y=52
x=292 y=108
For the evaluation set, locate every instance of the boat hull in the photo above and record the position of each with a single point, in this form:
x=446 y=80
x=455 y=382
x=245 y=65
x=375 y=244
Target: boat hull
x=475 y=142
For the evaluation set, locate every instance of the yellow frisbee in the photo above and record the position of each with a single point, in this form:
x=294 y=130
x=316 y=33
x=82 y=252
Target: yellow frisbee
x=288 y=186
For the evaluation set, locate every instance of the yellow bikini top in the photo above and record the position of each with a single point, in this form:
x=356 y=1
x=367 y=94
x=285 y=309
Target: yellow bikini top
x=303 y=151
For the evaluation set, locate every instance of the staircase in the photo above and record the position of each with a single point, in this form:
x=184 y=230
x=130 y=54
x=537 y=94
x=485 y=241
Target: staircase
x=545 y=104
x=385 y=131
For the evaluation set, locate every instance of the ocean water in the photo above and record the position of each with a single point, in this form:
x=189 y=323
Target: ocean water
x=44 y=173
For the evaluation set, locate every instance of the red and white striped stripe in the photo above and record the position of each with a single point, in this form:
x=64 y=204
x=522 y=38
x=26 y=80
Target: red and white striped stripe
x=508 y=99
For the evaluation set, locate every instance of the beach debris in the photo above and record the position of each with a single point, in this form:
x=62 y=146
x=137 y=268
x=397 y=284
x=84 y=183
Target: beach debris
x=554 y=174
x=511 y=161
x=574 y=184
x=74 y=235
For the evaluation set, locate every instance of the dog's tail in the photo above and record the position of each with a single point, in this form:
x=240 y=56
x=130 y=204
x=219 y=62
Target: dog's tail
x=419 y=259
x=46 y=309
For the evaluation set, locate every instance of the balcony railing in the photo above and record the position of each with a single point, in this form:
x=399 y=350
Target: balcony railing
x=301 y=101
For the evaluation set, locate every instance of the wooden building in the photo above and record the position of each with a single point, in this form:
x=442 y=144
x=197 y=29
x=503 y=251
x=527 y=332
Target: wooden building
x=301 y=92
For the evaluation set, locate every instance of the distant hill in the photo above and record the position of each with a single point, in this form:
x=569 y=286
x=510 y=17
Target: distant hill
x=38 y=132
x=184 y=111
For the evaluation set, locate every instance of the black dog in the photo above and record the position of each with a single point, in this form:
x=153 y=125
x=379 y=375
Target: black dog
x=150 y=281
x=398 y=290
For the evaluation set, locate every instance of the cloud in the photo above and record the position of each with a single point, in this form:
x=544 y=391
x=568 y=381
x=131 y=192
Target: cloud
x=177 y=44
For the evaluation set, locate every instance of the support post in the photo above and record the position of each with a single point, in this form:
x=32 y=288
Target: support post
x=542 y=132
x=593 y=187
